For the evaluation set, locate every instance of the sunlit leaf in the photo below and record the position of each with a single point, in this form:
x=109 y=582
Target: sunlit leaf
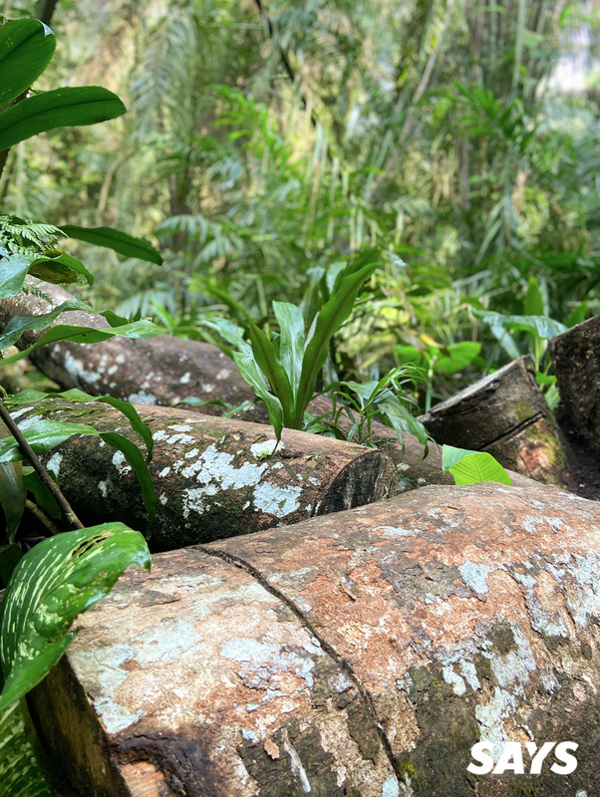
x=52 y=584
x=26 y=49
x=116 y=240
x=472 y=467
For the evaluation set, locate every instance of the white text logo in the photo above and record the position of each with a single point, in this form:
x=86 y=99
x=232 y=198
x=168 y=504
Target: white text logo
x=511 y=758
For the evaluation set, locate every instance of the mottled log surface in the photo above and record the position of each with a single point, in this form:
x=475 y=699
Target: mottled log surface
x=505 y=414
x=576 y=359
x=160 y=370
x=362 y=654
x=214 y=477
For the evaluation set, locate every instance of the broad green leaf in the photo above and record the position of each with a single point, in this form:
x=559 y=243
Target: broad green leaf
x=329 y=320
x=291 y=342
x=250 y=371
x=541 y=325
x=59 y=108
x=544 y=379
x=19 y=324
x=408 y=354
x=137 y=329
x=52 y=584
x=20 y=772
x=460 y=355
x=13 y=270
x=269 y=364
x=26 y=49
x=403 y=421
x=127 y=409
x=134 y=457
x=42 y=436
x=12 y=496
x=473 y=467
x=366 y=258
x=116 y=240
x=58 y=269
x=10 y=556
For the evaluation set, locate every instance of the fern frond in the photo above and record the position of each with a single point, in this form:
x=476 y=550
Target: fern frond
x=21 y=236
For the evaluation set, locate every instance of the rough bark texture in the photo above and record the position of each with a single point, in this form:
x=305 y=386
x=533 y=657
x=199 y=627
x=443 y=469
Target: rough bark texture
x=506 y=414
x=214 y=477
x=576 y=358
x=165 y=370
x=362 y=654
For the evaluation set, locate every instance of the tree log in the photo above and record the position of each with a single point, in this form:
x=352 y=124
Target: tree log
x=362 y=654
x=505 y=414
x=214 y=477
x=160 y=370
x=165 y=369
x=576 y=359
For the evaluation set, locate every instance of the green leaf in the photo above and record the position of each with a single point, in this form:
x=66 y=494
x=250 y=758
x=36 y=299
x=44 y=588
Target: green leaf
x=12 y=496
x=460 y=355
x=473 y=467
x=137 y=329
x=538 y=324
x=134 y=457
x=13 y=270
x=10 y=556
x=20 y=772
x=52 y=584
x=291 y=342
x=59 y=108
x=250 y=371
x=19 y=324
x=127 y=409
x=26 y=49
x=42 y=436
x=577 y=316
x=116 y=240
x=408 y=354
x=269 y=364
x=403 y=421
x=60 y=269
x=534 y=299
x=330 y=318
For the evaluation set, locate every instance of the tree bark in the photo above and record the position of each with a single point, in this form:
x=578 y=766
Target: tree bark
x=214 y=477
x=362 y=654
x=505 y=414
x=576 y=360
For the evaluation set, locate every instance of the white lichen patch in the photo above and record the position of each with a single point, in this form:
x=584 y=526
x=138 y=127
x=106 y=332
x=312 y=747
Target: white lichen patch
x=224 y=373
x=185 y=378
x=76 y=370
x=278 y=501
x=120 y=463
x=141 y=397
x=103 y=487
x=475 y=576
x=165 y=472
x=264 y=448
x=208 y=388
x=455 y=681
x=171 y=640
x=53 y=463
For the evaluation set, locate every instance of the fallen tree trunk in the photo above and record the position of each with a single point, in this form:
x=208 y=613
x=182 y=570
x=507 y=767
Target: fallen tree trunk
x=214 y=477
x=505 y=414
x=165 y=370
x=160 y=370
x=362 y=653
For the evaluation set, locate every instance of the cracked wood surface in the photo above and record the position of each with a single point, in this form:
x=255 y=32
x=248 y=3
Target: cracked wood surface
x=361 y=653
x=213 y=477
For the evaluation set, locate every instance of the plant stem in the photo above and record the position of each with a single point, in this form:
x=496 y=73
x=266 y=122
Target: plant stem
x=43 y=518
x=41 y=471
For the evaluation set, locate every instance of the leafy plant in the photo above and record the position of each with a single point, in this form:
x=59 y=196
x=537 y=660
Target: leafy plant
x=473 y=467
x=292 y=363
x=49 y=587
